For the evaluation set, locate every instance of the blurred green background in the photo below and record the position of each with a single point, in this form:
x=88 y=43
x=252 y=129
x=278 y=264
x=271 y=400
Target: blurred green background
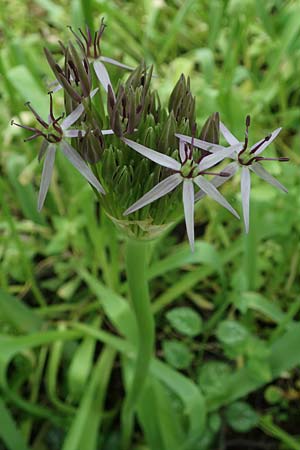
x=243 y=57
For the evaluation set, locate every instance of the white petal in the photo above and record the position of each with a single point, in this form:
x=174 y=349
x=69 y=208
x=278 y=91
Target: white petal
x=188 y=205
x=245 y=191
x=181 y=150
x=200 y=144
x=73 y=117
x=46 y=174
x=76 y=160
x=102 y=75
x=155 y=193
x=215 y=158
x=262 y=173
x=155 y=156
x=218 y=181
x=228 y=135
x=115 y=63
x=105 y=132
x=274 y=134
x=207 y=187
x=74 y=133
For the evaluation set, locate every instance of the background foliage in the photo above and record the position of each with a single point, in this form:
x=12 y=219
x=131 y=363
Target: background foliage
x=227 y=316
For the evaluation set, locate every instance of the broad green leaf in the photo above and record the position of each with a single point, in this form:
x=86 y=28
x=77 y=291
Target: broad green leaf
x=185 y=320
x=241 y=417
x=177 y=354
x=231 y=333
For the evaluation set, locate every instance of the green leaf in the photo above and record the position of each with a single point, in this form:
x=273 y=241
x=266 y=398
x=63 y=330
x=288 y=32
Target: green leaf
x=15 y=312
x=177 y=354
x=185 y=320
x=231 y=333
x=25 y=84
x=9 y=432
x=241 y=417
x=212 y=376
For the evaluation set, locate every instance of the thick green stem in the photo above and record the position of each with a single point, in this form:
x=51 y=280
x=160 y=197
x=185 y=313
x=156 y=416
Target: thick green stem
x=136 y=264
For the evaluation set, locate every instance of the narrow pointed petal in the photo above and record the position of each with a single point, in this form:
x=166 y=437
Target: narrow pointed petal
x=181 y=150
x=155 y=193
x=159 y=158
x=188 y=206
x=76 y=160
x=230 y=138
x=43 y=149
x=105 y=132
x=207 y=187
x=115 y=63
x=217 y=181
x=73 y=117
x=266 y=176
x=46 y=174
x=102 y=75
x=215 y=158
x=74 y=133
x=274 y=134
x=200 y=144
x=245 y=191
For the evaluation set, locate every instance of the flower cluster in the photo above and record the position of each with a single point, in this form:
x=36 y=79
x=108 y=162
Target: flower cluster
x=138 y=156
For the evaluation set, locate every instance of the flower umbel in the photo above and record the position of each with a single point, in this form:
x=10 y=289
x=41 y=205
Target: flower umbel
x=247 y=159
x=187 y=171
x=55 y=135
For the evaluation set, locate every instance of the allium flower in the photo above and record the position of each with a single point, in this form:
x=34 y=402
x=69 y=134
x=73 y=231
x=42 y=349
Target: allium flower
x=55 y=135
x=246 y=159
x=90 y=46
x=187 y=172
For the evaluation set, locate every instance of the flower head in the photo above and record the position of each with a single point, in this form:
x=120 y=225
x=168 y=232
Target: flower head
x=55 y=133
x=188 y=172
x=247 y=159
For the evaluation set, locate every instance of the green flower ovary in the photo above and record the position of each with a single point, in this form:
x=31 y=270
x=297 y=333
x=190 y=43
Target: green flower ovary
x=189 y=169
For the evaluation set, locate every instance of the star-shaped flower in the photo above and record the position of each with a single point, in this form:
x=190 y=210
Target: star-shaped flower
x=246 y=159
x=55 y=135
x=188 y=172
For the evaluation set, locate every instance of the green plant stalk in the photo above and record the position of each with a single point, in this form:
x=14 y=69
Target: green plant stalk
x=136 y=265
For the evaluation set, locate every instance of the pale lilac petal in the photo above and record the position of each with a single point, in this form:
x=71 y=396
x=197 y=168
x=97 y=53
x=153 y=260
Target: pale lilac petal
x=74 y=115
x=74 y=133
x=245 y=191
x=274 y=134
x=262 y=173
x=105 y=132
x=76 y=160
x=207 y=187
x=228 y=135
x=208 y=146
x=159 y=158
x=188 y=205
x=155 y=193
x=46 y=174
x=181 y=150
x=215 y=158
x=72 y=118
x=217 y=181
x=115 y=62
x=102 y=75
